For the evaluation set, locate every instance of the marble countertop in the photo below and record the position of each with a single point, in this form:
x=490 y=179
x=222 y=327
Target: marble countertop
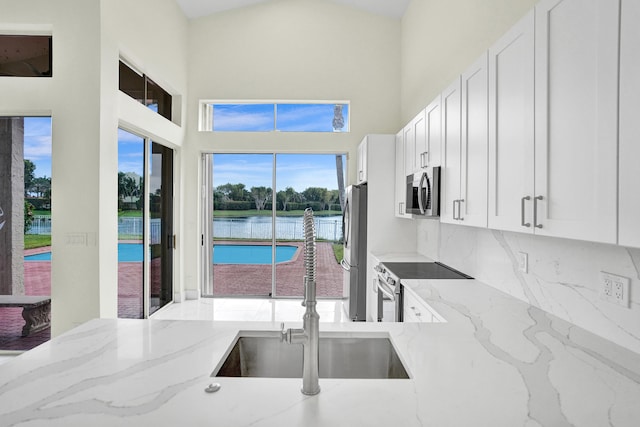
x=495 y=362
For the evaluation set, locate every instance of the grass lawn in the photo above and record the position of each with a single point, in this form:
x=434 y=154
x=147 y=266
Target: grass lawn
x=32 y=241
x=338 y=252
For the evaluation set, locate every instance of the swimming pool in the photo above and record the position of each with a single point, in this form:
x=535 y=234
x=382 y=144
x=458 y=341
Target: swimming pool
x=222 y=254
x=127 y=252
x=251 y=254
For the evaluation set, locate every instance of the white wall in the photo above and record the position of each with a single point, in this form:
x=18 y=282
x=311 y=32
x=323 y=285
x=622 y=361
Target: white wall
x=563 y=274
x=290 y=50
x=152 y=36
x=442 y=38
x=82 y=98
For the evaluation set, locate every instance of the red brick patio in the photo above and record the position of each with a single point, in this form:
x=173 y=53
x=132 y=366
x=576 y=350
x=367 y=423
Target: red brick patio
x=230 y=280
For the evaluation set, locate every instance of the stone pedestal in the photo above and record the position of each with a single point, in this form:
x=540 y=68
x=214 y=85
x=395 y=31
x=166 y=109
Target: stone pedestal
x=11 y=206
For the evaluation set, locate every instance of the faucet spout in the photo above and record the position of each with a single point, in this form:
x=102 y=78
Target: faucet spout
x=309 y=335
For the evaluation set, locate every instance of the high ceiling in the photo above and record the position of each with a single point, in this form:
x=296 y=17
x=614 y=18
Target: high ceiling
x=198 y=8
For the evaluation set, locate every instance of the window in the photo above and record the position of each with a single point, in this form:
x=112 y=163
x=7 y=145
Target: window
x=325 y=116
x=25 y=56
x=144 y=90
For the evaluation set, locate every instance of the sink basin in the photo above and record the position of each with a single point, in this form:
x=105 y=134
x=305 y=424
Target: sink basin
x=340 y=357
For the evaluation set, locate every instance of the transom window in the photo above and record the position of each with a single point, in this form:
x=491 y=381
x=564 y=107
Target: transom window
x=25 y=56
x=269 y=116
x=144 y=90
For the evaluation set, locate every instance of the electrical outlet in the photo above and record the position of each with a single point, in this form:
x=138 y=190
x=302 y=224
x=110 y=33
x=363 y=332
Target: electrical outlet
x=523 y=261
x=614 y=289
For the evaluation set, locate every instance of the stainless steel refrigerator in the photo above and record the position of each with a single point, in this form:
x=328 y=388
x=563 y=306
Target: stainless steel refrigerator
x=354 y=262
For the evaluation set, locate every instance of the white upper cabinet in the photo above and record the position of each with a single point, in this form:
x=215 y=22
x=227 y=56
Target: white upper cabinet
x=409 y=138
x=552 y=170
x=362 y=162
x=401 y=179
x=422 y=139
x=464 y=140
x=629 y=182
x=511 y=128
x=472 y=206
x=421 y=150
x=451 y=153
x=430 y=152
x=576 y=126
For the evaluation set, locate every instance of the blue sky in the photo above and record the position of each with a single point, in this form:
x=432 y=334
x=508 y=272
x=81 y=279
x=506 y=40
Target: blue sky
x=290 y=117
x=37 y=144
x=299 y=171
x=130 y=153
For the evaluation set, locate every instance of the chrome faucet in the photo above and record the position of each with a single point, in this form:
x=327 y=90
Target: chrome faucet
x=309 y=335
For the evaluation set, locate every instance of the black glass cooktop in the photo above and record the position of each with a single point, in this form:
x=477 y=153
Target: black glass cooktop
x=423 y=270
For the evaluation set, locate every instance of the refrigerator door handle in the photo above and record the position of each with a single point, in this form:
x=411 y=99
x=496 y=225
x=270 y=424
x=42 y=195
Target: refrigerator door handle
x=345 y=265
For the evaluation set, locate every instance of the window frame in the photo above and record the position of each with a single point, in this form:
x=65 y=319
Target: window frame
x=206 y=116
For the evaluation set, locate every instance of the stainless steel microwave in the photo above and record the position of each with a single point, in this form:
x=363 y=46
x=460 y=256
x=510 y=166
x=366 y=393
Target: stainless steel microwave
x=423 y=193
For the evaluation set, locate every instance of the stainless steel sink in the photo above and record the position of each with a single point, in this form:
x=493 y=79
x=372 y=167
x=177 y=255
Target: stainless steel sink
x=340 y=357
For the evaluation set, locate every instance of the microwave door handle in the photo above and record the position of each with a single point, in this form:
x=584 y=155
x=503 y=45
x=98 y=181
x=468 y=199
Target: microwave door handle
x=421 y=203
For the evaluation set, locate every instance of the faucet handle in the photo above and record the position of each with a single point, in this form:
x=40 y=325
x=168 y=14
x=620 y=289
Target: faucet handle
x=283 y=333
x=304 y=291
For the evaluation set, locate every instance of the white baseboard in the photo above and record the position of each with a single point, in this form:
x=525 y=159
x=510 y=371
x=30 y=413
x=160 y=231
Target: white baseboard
x=192 y=294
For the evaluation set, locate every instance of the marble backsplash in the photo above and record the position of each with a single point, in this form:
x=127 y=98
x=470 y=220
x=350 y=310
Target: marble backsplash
x=563 y=275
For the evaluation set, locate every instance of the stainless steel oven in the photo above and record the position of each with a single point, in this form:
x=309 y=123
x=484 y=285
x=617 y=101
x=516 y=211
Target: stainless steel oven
x=390 y=289
x=390 y=295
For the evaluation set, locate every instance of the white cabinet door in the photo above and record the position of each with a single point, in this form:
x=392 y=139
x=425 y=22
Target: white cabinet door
x=401 y=179
x=421 y=150
x=409 y=137
x=629 y=174
x=362 y=162
x=511 y=127
x=576 y=87
x=430 y=152
x=451 y=153
x=472 y=205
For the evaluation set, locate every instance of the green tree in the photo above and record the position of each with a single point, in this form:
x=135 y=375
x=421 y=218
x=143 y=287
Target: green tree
x=314 y=194
x=235 y=192
x=42 y=187
x=28 y=216
x=287 y=195
x=260 y=195
x=29 y=170
x=340 y=176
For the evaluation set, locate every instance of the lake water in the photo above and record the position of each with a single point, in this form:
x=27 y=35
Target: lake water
x=287 y=228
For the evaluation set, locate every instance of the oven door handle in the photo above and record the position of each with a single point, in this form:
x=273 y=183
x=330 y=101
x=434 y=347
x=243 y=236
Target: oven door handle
x=382 y=287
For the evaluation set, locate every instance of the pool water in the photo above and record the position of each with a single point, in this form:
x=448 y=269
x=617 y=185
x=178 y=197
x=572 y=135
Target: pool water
x=127 y=252
x=251 y=254
x=222 y=254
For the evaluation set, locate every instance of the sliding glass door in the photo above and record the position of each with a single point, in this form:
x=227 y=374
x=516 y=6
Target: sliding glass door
x=252 y=235
x=242 y=225
x=161 y=242
x=145 y=220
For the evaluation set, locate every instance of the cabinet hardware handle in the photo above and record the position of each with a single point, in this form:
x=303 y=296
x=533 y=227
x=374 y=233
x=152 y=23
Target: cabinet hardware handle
x=460 y=202
x=535 y=212
x=527 y=224
x=454 y=209
x=401 y=208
